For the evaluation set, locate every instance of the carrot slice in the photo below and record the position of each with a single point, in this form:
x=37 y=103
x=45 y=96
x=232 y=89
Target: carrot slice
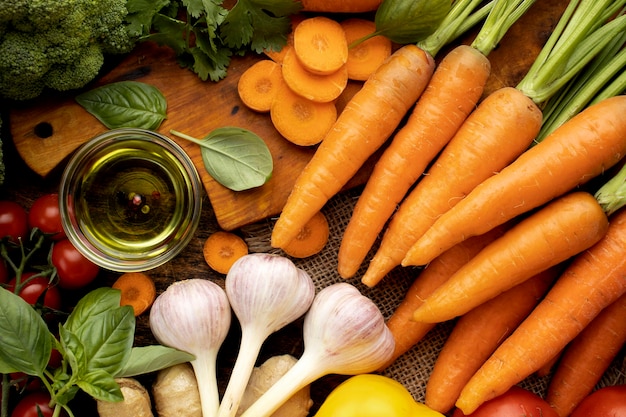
x=258 y=85
x=311 y=239
x=299 y=120
x=320 y=44
x=222 y=249
x=315 y=87
x=138 y=291
x=364 y=58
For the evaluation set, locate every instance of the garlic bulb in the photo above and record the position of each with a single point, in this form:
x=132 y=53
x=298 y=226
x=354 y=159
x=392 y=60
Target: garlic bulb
x=344 y=333
x=194 y=316
x=266 y=292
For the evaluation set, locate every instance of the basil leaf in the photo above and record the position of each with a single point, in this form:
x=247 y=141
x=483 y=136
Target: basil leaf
x=74 y=350
x=148 y=359
x=409 y=21
x=126 y=104
x=235 y=157
x=26 y=340
x=101 y=386
x=98 y=301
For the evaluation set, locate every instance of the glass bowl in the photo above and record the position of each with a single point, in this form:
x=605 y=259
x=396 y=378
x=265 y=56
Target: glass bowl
x=130 y=199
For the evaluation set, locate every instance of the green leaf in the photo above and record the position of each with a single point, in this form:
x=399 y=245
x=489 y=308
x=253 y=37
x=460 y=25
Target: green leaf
x=148 y=359
x=26 y=341
x=236 y=158
x=98 y=301
x=74 y=350
x=126 y=104
x=140 y=15
x=101 y=386
x=409 y=21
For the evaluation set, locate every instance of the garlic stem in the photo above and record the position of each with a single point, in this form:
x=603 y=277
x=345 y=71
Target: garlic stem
x=194 y=316
x=344 y=333
x=266 y=292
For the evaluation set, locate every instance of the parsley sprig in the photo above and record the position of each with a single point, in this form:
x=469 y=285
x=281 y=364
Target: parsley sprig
x=205 y=34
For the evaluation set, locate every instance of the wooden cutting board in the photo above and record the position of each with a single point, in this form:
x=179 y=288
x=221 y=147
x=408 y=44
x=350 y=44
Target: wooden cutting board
x=46 y=132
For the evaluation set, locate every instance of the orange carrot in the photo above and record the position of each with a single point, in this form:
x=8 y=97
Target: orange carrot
x=364 y=58
x=311 y=239
x=483 y=145
x=137 y=290
x=258 y=85
x=320 y=45
x=594 y=280
x=340 y=6
x=587 y=357
x=407 y=332
x=477 y=335
x=560 y=230
x=579 y=150
x=451 y=94
x=315 y=87
x=299 y=120
x=222 y=249
x=366 y=122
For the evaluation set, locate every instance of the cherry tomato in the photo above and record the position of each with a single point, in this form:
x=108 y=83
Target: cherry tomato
x=33 y=289
x=45 y=215
x=516 y=402
x=27 y=406
x=73 y=268
x=13 y=221
x=605 y=402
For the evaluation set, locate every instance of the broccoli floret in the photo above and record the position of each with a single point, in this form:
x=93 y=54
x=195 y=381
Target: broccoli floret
x=58 y=44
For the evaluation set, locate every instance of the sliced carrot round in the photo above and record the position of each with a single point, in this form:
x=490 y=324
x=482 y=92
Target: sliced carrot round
x=367 y=56
x=222 y=249
x=258 y=84
x=137 y=290
x=311 y=239
x=320 y=88
x=320 y=44
x=299 y=120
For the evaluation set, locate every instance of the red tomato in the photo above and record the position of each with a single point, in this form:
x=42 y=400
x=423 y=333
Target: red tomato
x=33 y=289
x=28 y=405
x=74 y=270
x=45 y=215
x=605 y=402
x=516 y=402
x=13 y=221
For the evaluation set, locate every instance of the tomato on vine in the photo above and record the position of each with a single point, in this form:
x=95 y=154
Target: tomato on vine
x=45 y=215
x=13 y=221
x=29 y=405
x=33 y=288
x=73 y=268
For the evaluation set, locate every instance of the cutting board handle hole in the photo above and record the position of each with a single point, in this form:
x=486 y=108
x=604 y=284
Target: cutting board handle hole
x=43 y=130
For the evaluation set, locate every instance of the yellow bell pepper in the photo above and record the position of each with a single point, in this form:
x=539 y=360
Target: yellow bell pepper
x=371 y=395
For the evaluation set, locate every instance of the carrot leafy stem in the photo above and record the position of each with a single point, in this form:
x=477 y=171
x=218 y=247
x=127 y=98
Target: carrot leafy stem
x=612 y=194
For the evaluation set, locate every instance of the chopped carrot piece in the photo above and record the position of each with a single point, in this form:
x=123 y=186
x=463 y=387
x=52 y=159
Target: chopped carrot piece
x=258 y=84
x=138 y=291
x=320 y=44
x=311 y=239
x=365 y=57
x=222 y=249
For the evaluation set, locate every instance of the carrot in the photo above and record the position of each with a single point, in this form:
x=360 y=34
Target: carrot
x=560 y=230
x=365 y=57
x=320 y=45
x=340 y=6
x=577 y=151
x=222 y=249
x=278 y=55
x=311 y=239
x=483 y=145
x=301 y=121
x=137 y=290
x=594 y=280
x=366 y=122
x=407 y=332
x=587 y=357
x=315 y=87
x=258 y=85
x=477 y=334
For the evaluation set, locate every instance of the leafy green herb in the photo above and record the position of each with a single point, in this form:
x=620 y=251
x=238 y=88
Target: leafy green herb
x=408 y=21
x=95 y=343
x=205 y=35
x=126 y=104
x=236 y=158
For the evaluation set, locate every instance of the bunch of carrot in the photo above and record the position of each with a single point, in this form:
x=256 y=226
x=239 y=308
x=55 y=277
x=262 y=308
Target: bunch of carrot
x=300 y=84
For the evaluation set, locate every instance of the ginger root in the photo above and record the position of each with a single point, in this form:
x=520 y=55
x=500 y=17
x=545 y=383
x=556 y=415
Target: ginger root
x=136 y=401
x=175 y=392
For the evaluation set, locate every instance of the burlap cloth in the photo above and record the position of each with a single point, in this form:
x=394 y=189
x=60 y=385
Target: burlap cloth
x=414 y=367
